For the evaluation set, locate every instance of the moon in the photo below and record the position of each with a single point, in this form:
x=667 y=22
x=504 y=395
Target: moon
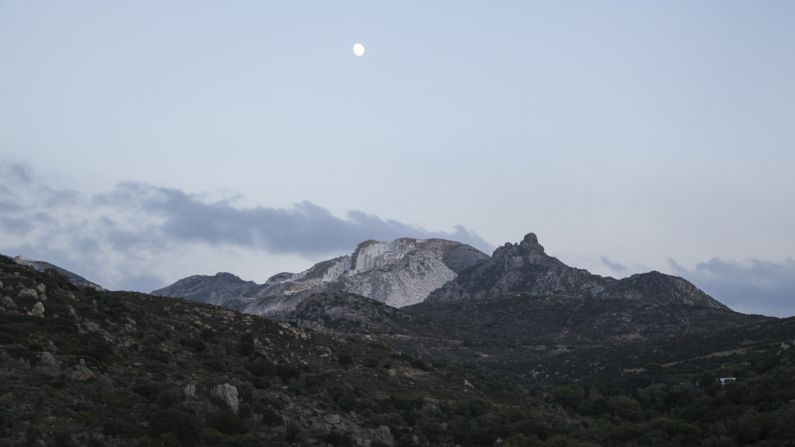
x=358 y=49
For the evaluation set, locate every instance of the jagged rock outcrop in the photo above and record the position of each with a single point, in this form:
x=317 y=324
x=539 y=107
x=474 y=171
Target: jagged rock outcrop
x=227 y=394
x=216 y=289
x=525 y=268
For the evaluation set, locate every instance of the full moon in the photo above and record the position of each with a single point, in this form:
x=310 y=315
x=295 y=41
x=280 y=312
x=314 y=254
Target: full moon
x=358 y=49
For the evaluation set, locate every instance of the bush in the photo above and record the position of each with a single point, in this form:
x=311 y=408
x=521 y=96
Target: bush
x=170 y=398
x=271 y=418
x=149 y=390
x=211 y=436
x=287 y=372
x=185 y=426
x=226 y=422
x=338 y=439
x=193 y=343
x=122 y=429
x=261 y=367
x=245 y=346
x=345 y=360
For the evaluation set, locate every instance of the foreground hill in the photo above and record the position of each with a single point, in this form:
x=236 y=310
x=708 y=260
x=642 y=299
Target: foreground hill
x=42 y=266
x=642 y=373
x=85 y=367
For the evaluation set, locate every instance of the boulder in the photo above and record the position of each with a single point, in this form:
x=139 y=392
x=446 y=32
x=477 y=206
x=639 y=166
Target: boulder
x=81 y=372
x=38 y=310
x=190 y=390
x=48 y=365
x=28 y=293
x=48 y=359
x=228 y=394
x=8 y=302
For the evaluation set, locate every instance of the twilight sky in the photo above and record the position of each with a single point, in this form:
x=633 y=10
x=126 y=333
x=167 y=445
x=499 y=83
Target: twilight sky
x=145 y=141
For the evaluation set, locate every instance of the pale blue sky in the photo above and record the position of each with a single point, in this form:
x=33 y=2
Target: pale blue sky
x=637 y=131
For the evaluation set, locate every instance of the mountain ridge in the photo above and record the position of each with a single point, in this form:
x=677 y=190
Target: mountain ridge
x=398 y=272
x=526 y=268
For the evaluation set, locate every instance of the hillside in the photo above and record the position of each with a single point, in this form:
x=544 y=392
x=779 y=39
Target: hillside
x=87 y=367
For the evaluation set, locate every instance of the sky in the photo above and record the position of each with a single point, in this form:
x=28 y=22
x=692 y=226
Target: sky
x=141 y=142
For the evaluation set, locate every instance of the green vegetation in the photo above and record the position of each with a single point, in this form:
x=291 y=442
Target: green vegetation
x=108 y=369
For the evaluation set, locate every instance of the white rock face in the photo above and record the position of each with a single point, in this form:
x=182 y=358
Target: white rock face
x=228 y=394
x=399 y=273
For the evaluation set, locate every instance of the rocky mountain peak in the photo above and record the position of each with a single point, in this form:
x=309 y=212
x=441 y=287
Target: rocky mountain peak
x=525 y=268
x=530 y=243
x=226 y=276
x=527 y=251
x=400 y=272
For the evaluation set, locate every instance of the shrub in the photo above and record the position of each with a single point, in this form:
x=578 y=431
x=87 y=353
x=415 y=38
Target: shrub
x=261 y=367
x=345 y=360
x=287 y=372
x=149 y=390
x=245 y=346
x=271 y=418
x=122 y=429
x=226 y=422
x=185 y=426
x=193 y=343
x=338 y=439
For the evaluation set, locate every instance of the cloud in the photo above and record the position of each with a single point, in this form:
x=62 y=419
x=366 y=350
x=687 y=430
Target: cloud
x=614 y=266
x=753 y=286
x=305 y=228
x=118 y=237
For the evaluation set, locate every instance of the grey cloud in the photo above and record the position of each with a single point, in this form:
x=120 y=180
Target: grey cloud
x=753 y=286
x=614 y=266
x=9 y=206
x=16 y=172
x=106 y=236
x=15 y=225
x=305 y=228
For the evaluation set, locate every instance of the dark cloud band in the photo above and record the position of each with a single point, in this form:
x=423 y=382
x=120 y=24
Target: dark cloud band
x=137 y=219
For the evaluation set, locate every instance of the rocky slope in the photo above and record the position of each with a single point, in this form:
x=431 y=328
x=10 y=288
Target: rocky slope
x=398 y=273
x=85 y=367
x=525 y=268
x=216 y=289
x=46 y=266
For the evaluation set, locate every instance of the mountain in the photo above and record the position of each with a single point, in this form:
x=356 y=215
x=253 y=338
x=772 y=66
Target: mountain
x=96 y=368
x=79 y=366
x=42 y=266
x=525 y=268
x=399 y=273
x=216 y=289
